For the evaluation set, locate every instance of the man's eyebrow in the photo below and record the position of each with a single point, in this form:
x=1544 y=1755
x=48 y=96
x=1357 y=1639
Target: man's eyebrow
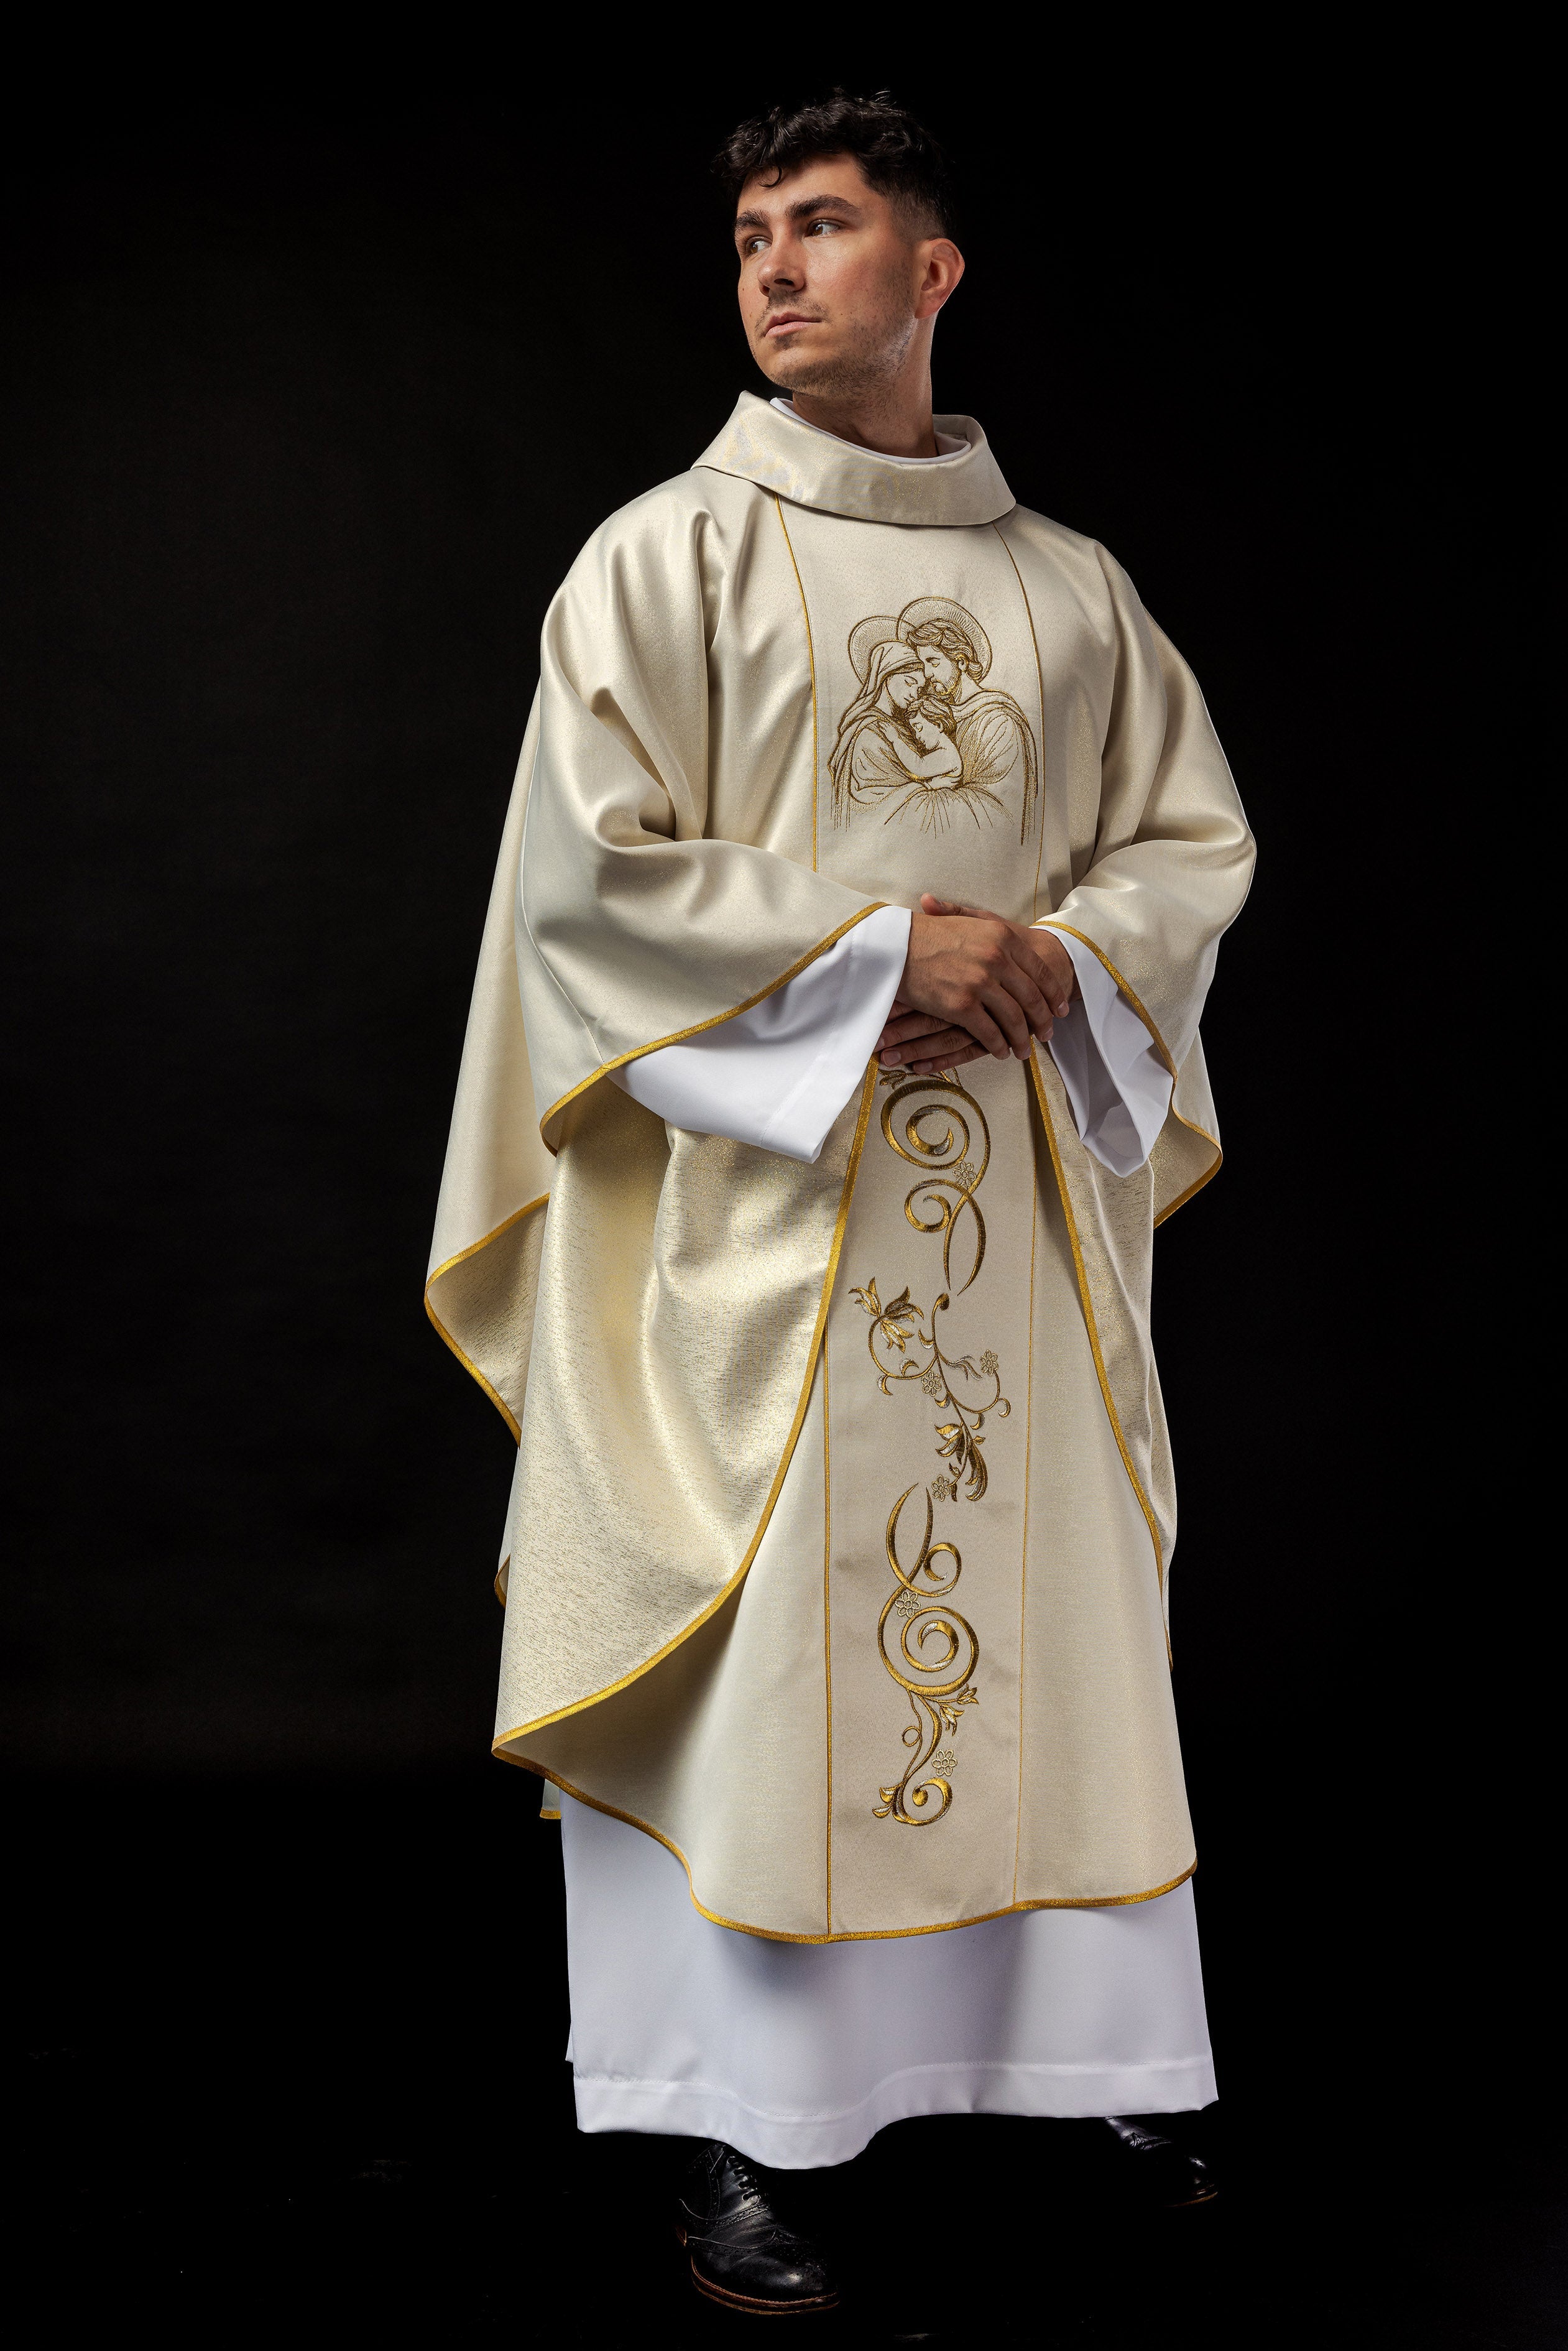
x=799 y=210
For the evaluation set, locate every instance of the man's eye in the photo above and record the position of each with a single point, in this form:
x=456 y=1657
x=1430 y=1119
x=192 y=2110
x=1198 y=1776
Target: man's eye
x=817 y=225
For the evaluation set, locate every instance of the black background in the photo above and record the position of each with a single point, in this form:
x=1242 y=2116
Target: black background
x=307 y=410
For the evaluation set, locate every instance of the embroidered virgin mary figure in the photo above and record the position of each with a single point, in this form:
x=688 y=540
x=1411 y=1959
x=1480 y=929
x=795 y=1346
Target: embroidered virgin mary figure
x=889 y=740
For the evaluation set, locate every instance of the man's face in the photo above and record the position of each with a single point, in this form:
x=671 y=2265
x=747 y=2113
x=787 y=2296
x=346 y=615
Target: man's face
x=831 y=278
x=941 y=669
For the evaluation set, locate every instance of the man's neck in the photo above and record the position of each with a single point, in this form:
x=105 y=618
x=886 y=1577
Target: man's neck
x=894 y=420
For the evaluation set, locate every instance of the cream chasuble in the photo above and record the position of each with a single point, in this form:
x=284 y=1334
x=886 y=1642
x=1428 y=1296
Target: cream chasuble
x=843 y=1507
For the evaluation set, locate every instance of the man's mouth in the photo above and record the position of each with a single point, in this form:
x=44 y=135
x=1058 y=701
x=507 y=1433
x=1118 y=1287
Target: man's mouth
x=780 y=322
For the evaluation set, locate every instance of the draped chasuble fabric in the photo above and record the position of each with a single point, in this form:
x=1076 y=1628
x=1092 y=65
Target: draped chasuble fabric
x=837 y=1545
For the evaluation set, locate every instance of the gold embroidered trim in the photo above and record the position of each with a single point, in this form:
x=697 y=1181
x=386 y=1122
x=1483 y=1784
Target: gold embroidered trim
x=1142 y=1012
x=580 y=1706
x=1208 y=1177
x=1134 y=999
x=811 y=661
x=1023 y=1555
x=853 y=1935
x=937 y=1204
x=1040 y=683
x=827 y=1629
x=446 y=1266
x=638 y=1052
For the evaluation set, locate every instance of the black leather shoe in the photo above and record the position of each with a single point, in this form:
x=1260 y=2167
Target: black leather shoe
x=741 y=2253
x=1154 y=2170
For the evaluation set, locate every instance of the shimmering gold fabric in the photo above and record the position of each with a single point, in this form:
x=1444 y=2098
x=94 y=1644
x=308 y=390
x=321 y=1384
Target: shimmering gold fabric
x=489 y=1226
x=680 y=1292
x=763 y=1748
x=795 y=684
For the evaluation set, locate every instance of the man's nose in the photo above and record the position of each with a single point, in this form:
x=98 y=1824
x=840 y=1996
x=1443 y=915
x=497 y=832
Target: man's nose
x=782 y=268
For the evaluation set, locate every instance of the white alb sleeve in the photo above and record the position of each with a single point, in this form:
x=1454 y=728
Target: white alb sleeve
x=778 y=1075
x=1119 y=1088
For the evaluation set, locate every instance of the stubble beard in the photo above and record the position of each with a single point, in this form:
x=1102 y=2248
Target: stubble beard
x=864 y=364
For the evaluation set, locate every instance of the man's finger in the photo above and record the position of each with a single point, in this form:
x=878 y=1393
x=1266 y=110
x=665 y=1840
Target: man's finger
x=1020 y=936
x=1022 y=1032
x=969 y=1051
x=930 y=905
x=1001 y=1002
x=1036 y=989
x=1027 y=955
x=932 y=1044
x=1020 y=975
x=913 y=1024
x=949 y=1052
x=983 y=1027
x=1055 y=987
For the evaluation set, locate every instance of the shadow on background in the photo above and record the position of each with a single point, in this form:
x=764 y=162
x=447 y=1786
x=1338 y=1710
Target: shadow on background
x=291 y=2055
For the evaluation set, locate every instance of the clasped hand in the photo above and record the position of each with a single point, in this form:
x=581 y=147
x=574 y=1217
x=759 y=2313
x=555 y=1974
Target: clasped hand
x=974 y=984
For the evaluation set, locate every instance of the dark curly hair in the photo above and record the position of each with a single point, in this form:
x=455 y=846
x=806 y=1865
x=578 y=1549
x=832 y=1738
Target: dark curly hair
x=896 y=153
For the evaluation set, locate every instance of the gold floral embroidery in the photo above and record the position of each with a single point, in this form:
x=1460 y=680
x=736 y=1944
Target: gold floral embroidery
x=936 y=1651
x=901 y=1325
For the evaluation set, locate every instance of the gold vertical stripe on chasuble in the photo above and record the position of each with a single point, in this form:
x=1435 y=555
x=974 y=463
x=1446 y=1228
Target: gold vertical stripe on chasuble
x=827 y=1629
x=446 y=1266
x=1039 y=686
x=624 y=1681
x=1023 y=1557
x=714 y=1020
x=1164 y=1053
x=856 y=1934
x=810 y=660
x=1094 y=1330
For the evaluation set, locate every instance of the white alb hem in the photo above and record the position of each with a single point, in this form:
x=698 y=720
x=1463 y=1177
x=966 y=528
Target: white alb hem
x=796 y=2142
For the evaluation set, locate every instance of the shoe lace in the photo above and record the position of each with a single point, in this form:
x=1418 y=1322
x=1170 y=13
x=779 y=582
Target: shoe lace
x=744 y=2176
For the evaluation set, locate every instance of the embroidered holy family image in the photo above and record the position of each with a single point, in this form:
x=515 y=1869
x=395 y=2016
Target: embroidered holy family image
x=925 y=740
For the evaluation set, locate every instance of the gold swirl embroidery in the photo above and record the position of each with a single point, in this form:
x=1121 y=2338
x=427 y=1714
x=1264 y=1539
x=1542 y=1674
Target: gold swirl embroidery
x=938 y=1686
x=935 y=1704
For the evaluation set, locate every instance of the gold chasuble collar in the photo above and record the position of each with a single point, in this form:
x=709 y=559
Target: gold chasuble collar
x=810 y=468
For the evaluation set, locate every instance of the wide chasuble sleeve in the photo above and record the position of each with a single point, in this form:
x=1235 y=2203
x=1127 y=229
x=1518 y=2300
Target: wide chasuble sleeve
x=842 y=1509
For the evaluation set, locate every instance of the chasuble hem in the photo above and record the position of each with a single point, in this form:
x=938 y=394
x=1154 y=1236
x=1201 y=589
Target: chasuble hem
x=449 y=1266
x=716 y=1021
x=733 y=1583
x=1193 y=1189
x=848 y=1935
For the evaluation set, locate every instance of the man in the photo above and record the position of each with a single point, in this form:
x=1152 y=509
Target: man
x=834 y=1052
